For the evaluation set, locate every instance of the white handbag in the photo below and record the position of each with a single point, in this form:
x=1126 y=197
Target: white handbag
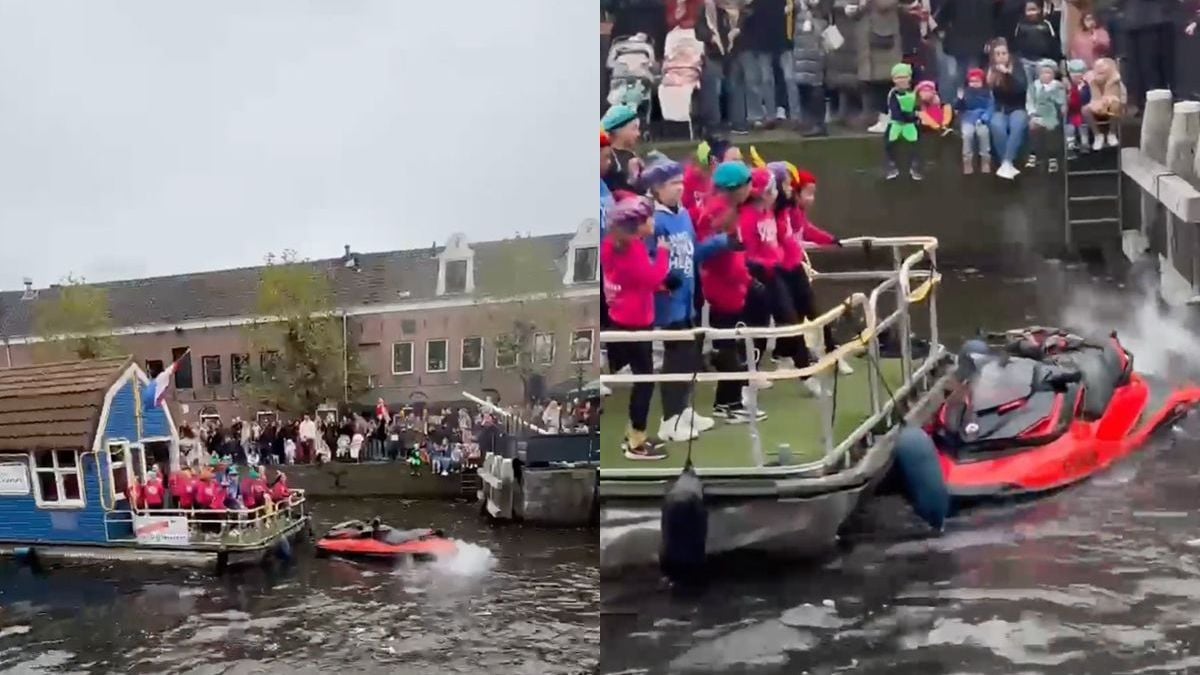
x=832 y=39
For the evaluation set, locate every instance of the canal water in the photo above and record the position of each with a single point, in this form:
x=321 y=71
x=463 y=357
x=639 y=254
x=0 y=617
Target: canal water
x=1100 y=578
x=517 y=600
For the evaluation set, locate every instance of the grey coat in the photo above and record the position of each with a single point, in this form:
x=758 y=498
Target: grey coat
x=808 y=52
x=878 y=32
x=841 y=65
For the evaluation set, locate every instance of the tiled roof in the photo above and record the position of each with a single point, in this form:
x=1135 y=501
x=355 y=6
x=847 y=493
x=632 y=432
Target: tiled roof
x=507 y=267
x=55 y=405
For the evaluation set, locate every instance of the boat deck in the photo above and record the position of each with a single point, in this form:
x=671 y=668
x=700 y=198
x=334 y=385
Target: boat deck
x=793 y=418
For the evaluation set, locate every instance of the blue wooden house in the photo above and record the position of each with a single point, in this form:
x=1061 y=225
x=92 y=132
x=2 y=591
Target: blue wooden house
x=72 y=437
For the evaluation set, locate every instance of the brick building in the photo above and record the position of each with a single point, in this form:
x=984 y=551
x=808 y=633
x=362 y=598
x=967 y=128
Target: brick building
x=424 y=322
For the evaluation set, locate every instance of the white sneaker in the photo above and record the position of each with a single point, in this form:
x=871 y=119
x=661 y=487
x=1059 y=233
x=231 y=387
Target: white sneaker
x=844 y=368
x=1098 y=142
x=698 y=422
x=880 y=126
x=1112 y=140
x=813 y=385
x=676 y=430
x=780 y=113
x=1007 y=171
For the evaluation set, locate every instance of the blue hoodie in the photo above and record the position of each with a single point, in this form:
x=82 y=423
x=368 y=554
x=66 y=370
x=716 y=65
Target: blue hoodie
x=606 y=203
x=677 y=306
x=976 y=106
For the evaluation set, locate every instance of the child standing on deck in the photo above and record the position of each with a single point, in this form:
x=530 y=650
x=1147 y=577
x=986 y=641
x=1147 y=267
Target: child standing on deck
x=674 y=308
x=1046 y=102
x=630 y=280
x=764 y=257
x=902 y=123
x=726 y=284
x=1078 y=95
x=975 y=106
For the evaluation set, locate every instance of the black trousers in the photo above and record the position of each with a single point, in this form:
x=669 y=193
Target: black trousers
x=910 y=154
x=775 y=303
x=679 y=356
x=729 y=357
x=805 y=301
x=1152 y=60
x=639 y=356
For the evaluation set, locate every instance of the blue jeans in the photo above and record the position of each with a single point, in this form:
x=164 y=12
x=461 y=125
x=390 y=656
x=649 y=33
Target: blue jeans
x=1008 y=133
x=759 y=70
x=722 y=78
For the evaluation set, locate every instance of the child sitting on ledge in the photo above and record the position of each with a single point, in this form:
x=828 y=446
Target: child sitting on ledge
x=934 y=115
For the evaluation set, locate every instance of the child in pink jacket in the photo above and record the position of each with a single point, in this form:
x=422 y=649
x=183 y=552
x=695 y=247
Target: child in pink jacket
x=631 y=278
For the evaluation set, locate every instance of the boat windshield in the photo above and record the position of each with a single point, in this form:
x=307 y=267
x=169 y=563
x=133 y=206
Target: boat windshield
x=1000 y=382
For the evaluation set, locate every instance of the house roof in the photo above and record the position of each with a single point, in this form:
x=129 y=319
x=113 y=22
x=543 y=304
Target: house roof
x=502 y=268
x=55 y=405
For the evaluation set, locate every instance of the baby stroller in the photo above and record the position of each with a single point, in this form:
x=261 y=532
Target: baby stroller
x=683 y=61
x=634 y=74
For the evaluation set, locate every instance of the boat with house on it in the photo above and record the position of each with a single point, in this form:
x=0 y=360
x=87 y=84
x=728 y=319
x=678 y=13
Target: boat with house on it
x=73 y=436
x=786 y=484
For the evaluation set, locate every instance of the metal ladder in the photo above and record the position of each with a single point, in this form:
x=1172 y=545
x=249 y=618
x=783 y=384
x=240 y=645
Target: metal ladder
x=1092 y=193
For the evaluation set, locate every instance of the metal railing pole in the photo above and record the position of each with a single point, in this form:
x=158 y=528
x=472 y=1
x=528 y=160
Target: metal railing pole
x=751 y=403
x=932 y=301
x=905 y=329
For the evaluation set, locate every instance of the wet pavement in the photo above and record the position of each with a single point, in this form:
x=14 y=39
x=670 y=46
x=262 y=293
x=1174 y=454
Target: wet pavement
x=517 y=600
x=1103 y=577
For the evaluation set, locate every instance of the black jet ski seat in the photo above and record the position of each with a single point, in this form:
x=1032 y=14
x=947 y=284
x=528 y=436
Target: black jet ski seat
x=1103 y=363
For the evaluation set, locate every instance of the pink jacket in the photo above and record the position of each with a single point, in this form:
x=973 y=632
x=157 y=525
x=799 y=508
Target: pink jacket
x=804 y=232
x=630 y=280
x=724 y=279
x=760 y=235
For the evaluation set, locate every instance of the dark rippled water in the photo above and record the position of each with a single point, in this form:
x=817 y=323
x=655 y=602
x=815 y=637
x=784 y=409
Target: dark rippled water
x=1100 y=578
x=517 y=601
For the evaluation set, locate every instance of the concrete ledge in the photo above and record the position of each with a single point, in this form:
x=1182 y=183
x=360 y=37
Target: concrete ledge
x=383 y=479
x=1175 y=193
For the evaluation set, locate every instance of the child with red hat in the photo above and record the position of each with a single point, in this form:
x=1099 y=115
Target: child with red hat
x=975 y=106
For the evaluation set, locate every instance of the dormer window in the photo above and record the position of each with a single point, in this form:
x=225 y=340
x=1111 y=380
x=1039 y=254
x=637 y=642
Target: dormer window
x=583 y=255
x=456 y=267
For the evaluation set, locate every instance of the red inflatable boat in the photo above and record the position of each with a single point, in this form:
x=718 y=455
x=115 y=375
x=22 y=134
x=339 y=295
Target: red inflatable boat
x=1045 y=409
x=376 y=540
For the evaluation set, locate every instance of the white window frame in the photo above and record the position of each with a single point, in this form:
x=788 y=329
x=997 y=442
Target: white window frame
x=591 y=335
x=446 y=363
x=593 y=273
x=462 y=352
x=553 y=349
x=412 y=357
x=500 y=366
x=58 y=471
x=204 y=370
x=118 y=461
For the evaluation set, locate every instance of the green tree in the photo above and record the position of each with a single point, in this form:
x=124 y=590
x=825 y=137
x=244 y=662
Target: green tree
x=309 y=362
x=76 y=323
x=520 y=347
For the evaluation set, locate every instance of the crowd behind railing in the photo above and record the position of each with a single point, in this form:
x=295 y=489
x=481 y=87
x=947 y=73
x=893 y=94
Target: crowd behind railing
x=996 y=73
x=442 y=440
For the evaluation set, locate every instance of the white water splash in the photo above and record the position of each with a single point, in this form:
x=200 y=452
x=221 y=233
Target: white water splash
x=471 y=560
x=1160 y=338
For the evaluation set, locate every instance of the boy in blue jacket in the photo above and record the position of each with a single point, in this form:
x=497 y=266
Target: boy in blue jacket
x=674 y=308
x=975 y=105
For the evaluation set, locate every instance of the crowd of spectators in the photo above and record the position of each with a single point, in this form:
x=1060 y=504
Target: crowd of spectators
x=808 y=63
x=445 y=439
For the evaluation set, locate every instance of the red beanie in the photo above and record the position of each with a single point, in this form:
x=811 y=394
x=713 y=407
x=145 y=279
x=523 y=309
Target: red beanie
x=803 y=179
x=605 y=141
x=975 y=73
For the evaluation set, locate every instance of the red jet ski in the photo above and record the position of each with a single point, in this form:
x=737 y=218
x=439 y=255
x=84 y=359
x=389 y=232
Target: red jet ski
x=1045 y=410
x=375 y=540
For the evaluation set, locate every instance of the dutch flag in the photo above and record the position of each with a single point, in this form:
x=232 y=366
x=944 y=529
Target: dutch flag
x=153 y=395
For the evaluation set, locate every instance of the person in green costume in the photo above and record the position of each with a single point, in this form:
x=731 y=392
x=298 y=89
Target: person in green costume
x=902 y=125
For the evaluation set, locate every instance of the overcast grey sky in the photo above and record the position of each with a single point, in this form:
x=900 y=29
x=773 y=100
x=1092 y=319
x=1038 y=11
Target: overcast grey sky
x=146 y=137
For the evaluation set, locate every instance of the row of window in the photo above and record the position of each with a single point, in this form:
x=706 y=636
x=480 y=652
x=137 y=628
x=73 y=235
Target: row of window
x=437 y=358
x=58 y=476
x=586 y=269
x=471 y=353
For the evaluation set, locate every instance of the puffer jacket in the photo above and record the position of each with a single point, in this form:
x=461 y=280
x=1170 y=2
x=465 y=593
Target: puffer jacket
x=878 y=40
x=808 y=53
x=841 y=65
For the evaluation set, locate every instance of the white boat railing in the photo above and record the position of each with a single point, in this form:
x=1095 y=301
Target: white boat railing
x=910 y=284
x=230 y=529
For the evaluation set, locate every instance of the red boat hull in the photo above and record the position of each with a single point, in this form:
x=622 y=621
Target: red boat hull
x=431 y=547
x=1083 y=450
